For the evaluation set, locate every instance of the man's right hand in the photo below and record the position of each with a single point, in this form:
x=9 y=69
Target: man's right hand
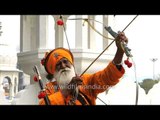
x=75 y=82
x=71 y=87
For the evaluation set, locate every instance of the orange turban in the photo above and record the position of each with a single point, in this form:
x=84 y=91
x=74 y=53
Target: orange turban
x=54 y=56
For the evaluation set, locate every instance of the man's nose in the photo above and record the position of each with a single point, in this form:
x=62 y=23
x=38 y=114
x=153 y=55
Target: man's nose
x=63 y=65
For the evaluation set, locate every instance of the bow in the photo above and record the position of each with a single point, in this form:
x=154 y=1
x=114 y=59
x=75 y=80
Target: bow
x=124 y=46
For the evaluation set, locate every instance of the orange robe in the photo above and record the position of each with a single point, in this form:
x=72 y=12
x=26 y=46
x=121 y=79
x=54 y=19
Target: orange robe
x=51 y=87
x=93 y=84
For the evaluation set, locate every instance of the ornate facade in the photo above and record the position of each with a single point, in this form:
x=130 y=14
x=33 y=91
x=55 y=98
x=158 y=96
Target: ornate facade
x=35 y=42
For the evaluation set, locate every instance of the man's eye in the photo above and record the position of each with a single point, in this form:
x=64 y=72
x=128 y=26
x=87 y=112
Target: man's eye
x=65 y=61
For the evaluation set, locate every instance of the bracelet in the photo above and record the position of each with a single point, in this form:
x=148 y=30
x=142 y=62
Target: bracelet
x=115 y=63
x=119 y=65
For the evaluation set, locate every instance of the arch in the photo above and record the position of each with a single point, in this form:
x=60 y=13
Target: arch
x=6 y=83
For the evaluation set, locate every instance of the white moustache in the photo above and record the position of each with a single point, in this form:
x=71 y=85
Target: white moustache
x=64 y=70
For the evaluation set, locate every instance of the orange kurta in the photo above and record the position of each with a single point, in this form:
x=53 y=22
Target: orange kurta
x=93 y=84
x=51 y=87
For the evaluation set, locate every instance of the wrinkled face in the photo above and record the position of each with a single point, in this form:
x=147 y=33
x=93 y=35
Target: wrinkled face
x=64 y=72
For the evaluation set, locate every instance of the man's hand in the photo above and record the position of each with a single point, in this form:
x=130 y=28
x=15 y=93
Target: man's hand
x=121 y=38
x=75 y=82
x=71 y=87
x=119 y=54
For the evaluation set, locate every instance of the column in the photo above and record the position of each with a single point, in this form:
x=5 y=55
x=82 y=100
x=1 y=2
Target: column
x=91 y=34
x=79 y=43
x=43 y=31
x=21 y=33
x=58 y=32
x=105 y=33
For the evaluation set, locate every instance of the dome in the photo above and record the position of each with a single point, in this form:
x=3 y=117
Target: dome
x=8 y=57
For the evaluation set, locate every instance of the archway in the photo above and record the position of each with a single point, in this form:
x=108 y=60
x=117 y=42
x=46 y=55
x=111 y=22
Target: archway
x=6 y=83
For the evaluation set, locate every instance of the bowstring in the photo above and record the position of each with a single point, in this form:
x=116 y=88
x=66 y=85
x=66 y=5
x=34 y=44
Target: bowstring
x=104 y=49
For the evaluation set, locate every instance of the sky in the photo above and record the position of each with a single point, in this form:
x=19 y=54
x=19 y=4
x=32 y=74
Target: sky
x=143 y=34
x=10 y=30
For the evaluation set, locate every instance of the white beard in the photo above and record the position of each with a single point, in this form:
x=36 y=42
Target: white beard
x=64 y=76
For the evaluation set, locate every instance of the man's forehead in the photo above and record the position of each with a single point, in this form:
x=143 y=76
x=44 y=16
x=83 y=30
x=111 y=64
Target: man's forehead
x=62 y=60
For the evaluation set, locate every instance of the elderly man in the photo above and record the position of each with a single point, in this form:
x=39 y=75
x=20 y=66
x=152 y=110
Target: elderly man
x=71 y=89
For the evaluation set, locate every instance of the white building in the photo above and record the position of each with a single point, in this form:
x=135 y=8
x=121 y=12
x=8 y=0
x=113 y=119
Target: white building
x=10 y=76
x=85 y=43
x=40 y=33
